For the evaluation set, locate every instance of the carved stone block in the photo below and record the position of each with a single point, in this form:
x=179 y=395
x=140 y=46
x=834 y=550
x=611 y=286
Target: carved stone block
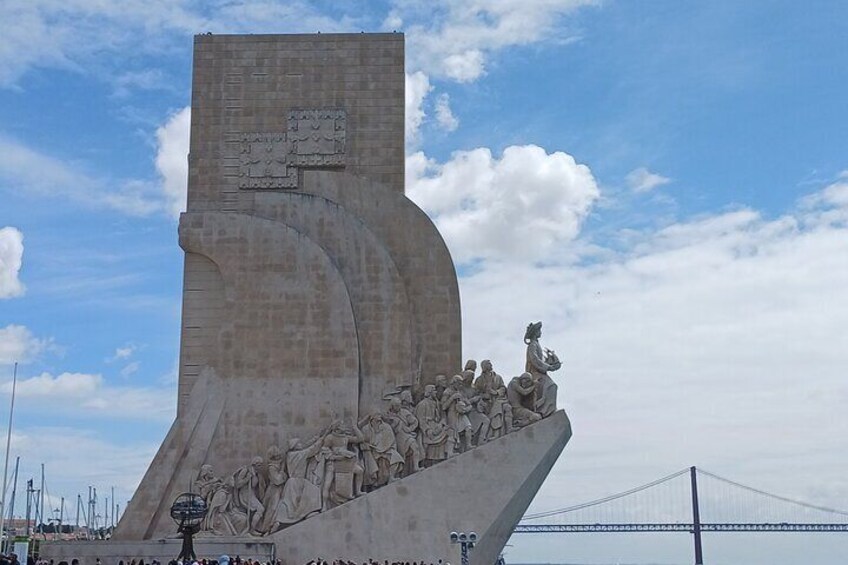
x=315 y=138
x=264 y=162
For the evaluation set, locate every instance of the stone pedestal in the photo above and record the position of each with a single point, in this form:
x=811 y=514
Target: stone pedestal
x=485 y=490
x=164 y=550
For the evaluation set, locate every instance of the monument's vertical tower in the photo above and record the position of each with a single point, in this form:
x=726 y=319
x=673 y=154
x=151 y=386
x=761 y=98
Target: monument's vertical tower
x=308 y=131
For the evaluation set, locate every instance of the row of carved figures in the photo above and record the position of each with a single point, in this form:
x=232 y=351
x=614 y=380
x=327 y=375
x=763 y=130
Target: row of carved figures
x=347 y=459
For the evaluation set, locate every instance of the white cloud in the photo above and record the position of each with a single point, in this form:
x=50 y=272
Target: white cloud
x=66 y=385
x=89 y=395
x=103 y=463
x=11 y=259
x=146 y=79
x=718 y=341
x=172 y=160
x=458 y=37
x=25 y=169
x=417 y=88
x=446 y=38
x=17 y=343
x=642 y=180
x=130 y=369
x=444 y=115
x=72 y=34
x=124 y=352
x=467 y=66
x=517 y=207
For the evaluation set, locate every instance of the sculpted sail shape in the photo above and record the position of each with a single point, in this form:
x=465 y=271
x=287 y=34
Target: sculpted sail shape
x=321 y=401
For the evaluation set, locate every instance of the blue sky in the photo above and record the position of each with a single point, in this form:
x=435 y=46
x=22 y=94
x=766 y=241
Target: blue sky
x=665 y=183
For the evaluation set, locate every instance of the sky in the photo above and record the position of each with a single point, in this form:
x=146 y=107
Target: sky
x=664 y=184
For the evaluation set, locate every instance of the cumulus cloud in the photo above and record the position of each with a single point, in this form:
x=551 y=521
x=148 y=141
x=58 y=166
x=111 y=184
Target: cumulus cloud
x=172 y=160
x=11 y=259
x=18 y=344
x=417 y=89
x=518 y=206
x=444 y=115
x=458 y=37
x=717 y=340
x=67 y=385
x=90 y=395
x=642 y=180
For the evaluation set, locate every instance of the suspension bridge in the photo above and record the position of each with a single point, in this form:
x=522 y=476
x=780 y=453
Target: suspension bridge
x=691 y=500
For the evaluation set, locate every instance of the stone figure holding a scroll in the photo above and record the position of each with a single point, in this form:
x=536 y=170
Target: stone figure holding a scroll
x=539 y=363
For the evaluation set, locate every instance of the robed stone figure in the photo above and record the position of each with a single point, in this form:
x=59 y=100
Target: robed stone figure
x=539 y=363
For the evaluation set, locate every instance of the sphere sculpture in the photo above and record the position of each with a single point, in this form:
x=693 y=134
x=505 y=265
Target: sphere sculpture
x=188 y=511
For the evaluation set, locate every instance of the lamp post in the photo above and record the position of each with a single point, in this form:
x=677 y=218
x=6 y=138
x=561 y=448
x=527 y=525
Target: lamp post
x=466 y=543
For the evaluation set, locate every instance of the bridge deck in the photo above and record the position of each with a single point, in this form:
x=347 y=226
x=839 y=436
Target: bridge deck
x=676 y=527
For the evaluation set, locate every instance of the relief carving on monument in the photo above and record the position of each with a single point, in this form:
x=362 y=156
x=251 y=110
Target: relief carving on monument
x=346 y=459
x=314 y=138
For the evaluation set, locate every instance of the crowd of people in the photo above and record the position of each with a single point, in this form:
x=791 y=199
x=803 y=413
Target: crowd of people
x=346 y=459
x=12 y=559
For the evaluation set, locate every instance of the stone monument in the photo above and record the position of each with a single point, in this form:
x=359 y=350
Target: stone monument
x=320 y=308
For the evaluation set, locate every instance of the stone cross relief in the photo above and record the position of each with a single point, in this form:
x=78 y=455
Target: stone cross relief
x=314 y=138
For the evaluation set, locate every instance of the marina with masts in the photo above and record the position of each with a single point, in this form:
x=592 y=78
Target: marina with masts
x=43 y=516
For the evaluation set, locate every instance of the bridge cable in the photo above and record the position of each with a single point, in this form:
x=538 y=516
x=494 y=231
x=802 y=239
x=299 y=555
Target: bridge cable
x=778 y=497
x=605 y=499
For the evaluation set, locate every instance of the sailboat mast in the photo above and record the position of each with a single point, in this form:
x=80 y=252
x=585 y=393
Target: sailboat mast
x=41 y=500
x=6 y=464
x=14 y=490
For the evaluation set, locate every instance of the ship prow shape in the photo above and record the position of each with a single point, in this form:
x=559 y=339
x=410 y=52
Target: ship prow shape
x=485 y=490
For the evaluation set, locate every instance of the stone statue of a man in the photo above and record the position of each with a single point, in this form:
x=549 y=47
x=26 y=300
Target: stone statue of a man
x=539 y=363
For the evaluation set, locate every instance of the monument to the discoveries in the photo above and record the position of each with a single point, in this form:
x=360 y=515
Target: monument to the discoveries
x=322 y=406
